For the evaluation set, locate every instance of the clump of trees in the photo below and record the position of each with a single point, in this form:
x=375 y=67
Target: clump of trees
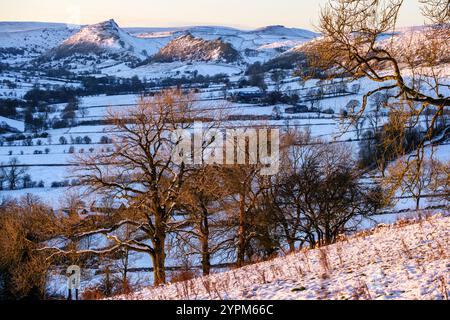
x=36 y=96
x=8 y=108
x=318 y=194
x=24 y=270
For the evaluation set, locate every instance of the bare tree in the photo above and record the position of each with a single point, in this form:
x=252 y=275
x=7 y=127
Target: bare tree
x=356 y=121
x=14 y=172
x=379 y=103
x=287 y=203
x=351 y=45
x=277 y=77
x=2 y=177
x=412 y=178
x=201 y=201
x=84 y=112
x=440 y=184
x=245 y=185
x=141 y=172
x=315 y=99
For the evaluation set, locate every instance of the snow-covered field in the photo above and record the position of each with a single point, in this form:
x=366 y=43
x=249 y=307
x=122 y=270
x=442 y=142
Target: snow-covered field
x=51 y=164
x=407 y=260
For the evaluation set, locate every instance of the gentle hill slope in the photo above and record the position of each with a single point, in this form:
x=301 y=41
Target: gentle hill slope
x=33 y=36
x=408 y=260
x=282 y=31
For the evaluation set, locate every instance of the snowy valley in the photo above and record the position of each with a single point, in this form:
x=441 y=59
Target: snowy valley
x=60 y=86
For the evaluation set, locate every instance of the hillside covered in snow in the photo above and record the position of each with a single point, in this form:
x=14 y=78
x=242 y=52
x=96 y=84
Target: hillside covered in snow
x=97 y=39
x=407 y=260
x=189 y=48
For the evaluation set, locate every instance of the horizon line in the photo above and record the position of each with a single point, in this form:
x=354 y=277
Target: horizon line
x=161 y=27
x=241 y=28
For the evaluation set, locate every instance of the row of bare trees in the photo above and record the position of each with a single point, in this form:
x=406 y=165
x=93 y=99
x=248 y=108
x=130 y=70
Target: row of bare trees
x=209 y=213
x=212 y=212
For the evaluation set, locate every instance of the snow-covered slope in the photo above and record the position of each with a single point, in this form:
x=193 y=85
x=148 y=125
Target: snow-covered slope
x=12 y=26
x=33 y=35
x=401 y=40
x=408 y=260
x=189 y=48
x=282 y=31
x=406 y=42
x=102 y=37
x=403 y=43
x=12 y=125
x=23 y=41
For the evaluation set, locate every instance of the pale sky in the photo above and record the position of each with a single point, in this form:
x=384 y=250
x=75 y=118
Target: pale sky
x=168 y=13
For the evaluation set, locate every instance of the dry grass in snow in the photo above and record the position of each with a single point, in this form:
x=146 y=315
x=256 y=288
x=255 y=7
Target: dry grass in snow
x=408 y=260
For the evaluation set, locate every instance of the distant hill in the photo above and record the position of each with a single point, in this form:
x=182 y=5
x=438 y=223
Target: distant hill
x=33 y=36
x=99 y=38
x=189 y=48
x=282 y=31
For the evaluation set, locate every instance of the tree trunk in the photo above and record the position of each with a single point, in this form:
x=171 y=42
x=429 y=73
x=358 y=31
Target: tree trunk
x=206 y=255
x=312 y=241
x=418 y=203
x=125 y=273
x=158 y=238
x=159 y=259
x=291 y=243
x=241 y=234
x=206 y=259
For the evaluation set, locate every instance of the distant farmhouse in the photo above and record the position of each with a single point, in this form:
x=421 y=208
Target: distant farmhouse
x=297 y=109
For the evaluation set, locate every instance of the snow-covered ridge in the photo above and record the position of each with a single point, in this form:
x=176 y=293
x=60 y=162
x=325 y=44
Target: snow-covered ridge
x=11 y=26
x=190 y=48
x=62 y=41
x=266 y=42
x=97 y=38
x=105 y=33
x=407 y=260
x=278 y=30
x=282 y=31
